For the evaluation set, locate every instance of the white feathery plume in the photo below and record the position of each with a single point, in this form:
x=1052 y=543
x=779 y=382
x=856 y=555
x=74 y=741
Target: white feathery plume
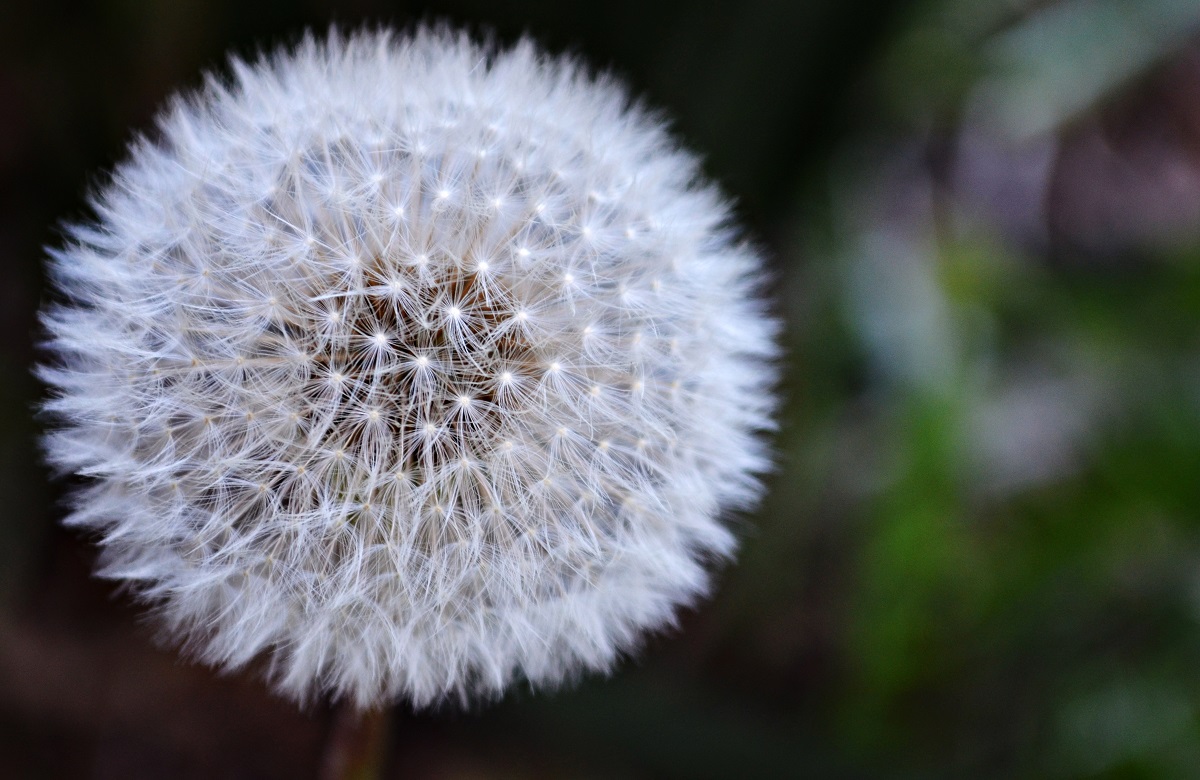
x=412 y=365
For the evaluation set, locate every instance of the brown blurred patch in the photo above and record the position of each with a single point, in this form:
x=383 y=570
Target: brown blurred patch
x=86 y=681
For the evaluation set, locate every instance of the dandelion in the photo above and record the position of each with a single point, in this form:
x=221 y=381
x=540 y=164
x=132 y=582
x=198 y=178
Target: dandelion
x=412 y=366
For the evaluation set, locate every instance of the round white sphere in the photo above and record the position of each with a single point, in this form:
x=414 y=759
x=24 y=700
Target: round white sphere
x=414 y=366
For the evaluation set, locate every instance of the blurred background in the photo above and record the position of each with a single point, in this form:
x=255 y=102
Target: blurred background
x=980 y=553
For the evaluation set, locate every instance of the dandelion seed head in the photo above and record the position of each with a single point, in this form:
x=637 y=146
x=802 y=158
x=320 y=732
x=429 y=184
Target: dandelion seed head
x=512 y=371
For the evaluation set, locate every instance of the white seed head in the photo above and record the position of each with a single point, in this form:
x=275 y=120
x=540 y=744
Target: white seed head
x=409 y=420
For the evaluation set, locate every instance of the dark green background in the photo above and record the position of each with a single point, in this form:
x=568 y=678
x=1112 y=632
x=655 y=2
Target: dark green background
x=980 y=554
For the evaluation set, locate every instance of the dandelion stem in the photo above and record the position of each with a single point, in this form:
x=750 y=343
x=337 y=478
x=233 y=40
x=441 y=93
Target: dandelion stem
x=356 y=745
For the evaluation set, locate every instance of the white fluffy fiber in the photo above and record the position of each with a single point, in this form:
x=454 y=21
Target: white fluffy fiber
x=413 y=366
